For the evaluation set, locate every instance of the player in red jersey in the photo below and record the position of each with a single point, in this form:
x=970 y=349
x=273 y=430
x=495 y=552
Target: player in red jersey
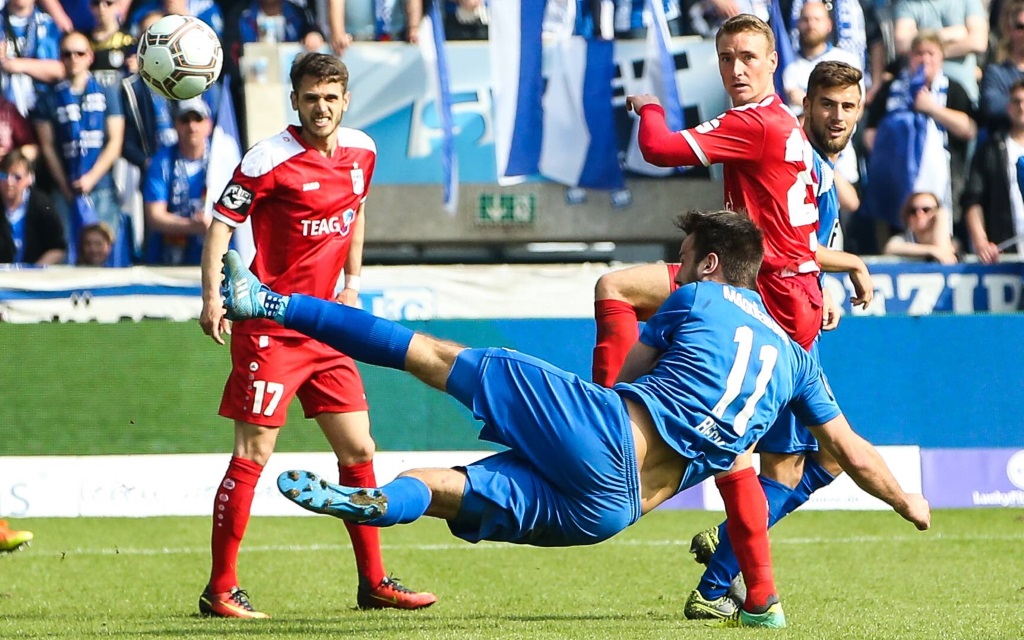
x=769 y=175
x=305 y=191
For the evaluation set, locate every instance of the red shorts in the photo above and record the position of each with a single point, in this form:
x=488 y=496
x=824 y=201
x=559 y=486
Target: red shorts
x=268 y=371
x=793 y=301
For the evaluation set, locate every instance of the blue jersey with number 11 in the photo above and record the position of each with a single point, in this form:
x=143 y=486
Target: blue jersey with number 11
x=725 y=372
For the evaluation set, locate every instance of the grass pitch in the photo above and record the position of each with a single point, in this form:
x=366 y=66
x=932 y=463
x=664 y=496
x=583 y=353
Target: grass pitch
x=841 y=575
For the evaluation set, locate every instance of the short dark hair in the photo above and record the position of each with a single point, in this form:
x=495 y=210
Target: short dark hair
x=321 y=66
x=832 y=74
x=746 y=23
x=1017 y=84
x=733 y=237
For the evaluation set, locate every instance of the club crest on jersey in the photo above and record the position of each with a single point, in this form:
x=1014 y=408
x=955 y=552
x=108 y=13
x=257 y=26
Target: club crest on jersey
x=340 y=225
x=357 y=181
x=237 y=198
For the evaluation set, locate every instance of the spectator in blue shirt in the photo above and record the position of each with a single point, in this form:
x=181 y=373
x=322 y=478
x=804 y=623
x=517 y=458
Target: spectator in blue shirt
x=80 y=127
x=273 y=21
x=28 y=53
x=174 y=190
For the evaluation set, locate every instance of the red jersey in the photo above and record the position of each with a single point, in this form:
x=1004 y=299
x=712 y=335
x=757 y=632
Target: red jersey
x=303 y=207
x=768 y=173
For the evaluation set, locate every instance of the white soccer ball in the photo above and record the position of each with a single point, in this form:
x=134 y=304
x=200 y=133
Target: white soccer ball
x=180 y=57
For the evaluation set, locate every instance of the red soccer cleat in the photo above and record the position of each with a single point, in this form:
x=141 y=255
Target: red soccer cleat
x=229 y=604
x=12 y=540
x=390 y=594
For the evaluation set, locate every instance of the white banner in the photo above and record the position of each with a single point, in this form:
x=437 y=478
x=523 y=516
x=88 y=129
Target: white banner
x=170 y=485
x=69 y=294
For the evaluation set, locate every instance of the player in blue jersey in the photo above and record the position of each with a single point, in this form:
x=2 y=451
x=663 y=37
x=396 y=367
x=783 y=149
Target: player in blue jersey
x=792 y=467
x=710 y=373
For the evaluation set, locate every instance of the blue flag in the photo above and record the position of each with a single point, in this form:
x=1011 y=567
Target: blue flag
x=898 y=152
x=782 y=44
x=432 y=48
x=660 y=80
x=515 y=40
x=565 y=130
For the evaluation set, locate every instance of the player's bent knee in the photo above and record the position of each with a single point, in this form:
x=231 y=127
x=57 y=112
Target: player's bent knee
x=607 y=287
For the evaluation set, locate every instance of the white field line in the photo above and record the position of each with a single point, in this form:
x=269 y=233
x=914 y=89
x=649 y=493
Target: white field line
x=492 y=546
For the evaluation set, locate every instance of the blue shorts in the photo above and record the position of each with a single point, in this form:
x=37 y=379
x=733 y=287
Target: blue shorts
x=569 y=477
x=787 y=434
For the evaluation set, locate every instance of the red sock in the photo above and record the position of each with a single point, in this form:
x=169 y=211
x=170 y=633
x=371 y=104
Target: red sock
x=365 y=540
x=746 y=511
x=617 y=330
x=230 y=516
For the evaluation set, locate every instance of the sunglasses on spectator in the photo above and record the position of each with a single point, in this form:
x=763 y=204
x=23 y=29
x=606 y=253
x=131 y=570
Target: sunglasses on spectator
x=77 y=53
x=1018 y=26
x=924 y=209
x=103 y=3
x=17 y=176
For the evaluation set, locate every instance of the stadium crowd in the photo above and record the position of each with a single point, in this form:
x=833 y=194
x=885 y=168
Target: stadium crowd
x=943 y=123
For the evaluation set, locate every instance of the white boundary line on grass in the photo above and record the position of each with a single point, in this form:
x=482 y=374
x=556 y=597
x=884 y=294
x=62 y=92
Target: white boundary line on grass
x=493 y=546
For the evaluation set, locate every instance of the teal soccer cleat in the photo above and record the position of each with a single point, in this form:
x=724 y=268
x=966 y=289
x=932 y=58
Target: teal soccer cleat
x=313 y=493
x=773 y=618
x=245 y=297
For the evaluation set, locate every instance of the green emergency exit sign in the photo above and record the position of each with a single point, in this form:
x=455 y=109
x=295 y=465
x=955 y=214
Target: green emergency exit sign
x=507 y=209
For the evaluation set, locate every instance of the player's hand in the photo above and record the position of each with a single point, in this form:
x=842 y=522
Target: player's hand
x=213 y=322
x=637 y=102
x=347 y=297
x=917 y=511
x=863 y=288
x=829 y=311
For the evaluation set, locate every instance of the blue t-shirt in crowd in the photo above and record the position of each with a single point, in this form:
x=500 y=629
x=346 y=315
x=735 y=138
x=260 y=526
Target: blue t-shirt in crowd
x=49 y=108
x=181 y=183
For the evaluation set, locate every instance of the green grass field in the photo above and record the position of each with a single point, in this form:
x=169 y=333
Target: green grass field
x=841 y=575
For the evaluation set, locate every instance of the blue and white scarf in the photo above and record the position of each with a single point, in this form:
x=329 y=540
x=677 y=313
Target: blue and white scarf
x=909 y=147
x=80 y=120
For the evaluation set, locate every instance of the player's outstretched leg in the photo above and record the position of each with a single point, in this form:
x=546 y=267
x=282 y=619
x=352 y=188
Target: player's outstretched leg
x=313 y=493
x=12 y=539
x=245 y=297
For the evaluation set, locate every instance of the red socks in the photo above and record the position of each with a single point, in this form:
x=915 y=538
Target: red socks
x=230 y=516
x=746 y=511
x=617 y=330
x=365 y=540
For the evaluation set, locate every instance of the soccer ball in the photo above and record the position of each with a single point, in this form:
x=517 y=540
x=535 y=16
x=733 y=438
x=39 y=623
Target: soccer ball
x=180 y=57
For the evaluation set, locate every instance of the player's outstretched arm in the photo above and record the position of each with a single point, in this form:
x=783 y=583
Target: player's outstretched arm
x=862 y=461
x=833 y=261
x=211 y=318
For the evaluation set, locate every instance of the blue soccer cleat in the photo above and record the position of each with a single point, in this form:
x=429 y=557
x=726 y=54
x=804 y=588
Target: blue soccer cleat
x=245 y=297
x=311 y=492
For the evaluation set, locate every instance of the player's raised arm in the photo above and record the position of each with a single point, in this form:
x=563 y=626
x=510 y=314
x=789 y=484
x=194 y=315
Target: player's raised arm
x=211 y=319
x=861 y=460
